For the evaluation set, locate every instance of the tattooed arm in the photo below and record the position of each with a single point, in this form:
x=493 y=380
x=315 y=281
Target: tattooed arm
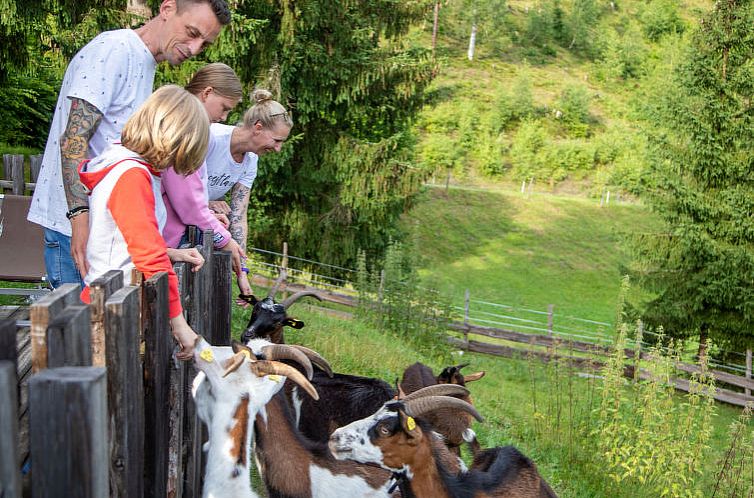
x=83 y=120
x=239 y=229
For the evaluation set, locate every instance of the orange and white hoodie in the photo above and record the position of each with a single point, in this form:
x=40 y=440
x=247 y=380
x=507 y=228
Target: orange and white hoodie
x=126 y=214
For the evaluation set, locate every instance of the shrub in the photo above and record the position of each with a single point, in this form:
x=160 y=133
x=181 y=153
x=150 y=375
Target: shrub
x=661 y=17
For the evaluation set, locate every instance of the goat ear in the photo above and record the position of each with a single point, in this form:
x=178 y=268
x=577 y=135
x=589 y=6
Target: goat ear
x=293 y=323
x=249 y=298
x=238 y=347
x=408 y=424
x=474 y=376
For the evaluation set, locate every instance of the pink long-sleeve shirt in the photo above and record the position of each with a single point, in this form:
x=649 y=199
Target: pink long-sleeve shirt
x=185 y=200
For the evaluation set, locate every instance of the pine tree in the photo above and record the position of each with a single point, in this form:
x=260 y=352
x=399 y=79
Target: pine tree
x=701 y=271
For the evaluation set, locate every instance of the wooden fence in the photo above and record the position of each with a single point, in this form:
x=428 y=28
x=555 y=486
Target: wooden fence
x=552 y=345
x=15 y=177
x=91 y=398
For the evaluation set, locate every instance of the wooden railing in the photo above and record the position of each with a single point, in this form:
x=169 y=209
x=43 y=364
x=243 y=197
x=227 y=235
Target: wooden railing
x=15 y=174
x=92 y=396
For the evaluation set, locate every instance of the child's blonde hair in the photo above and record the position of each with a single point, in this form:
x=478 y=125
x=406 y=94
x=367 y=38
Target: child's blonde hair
x=171 y=128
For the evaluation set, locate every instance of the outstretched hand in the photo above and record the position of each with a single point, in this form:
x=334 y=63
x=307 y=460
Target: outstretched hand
x=190 y=255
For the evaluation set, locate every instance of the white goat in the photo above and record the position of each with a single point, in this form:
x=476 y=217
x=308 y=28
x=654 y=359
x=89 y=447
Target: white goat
x=232 y=387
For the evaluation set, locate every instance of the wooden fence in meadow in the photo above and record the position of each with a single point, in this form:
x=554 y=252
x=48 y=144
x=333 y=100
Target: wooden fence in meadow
x=92 y=401
x=16 y=177
x=544 y=339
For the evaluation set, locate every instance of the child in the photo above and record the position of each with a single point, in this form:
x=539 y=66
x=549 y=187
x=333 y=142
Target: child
x=171 y=129
x=185 y=196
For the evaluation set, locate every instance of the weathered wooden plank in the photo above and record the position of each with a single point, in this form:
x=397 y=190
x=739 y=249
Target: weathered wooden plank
x=176 y=453
x=8 y=348
x=99 y=291
x=158 y=345
x=41 y=313
x=10 y=477
x=14 y=171
x=125 y=394
x=35 y=163
x=68 y=410
x=201 y=289
x=221 y=303
x=69 y=338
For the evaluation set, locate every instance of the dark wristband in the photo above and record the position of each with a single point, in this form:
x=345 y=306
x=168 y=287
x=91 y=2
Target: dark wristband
x=76 y=211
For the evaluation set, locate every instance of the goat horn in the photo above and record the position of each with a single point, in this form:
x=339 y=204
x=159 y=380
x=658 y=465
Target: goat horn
x=295 y=297
x=234 y=362
x=262 y=368
x=462 y=365
x=315 y=358
x=438 y=390
x=274 y=290
x=286 y=352
x=418 y=407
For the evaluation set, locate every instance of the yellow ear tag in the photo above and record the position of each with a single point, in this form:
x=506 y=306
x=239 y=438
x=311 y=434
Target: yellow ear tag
x=410 y=423
x=207 y=356
x=246 y=354
x=274 y=378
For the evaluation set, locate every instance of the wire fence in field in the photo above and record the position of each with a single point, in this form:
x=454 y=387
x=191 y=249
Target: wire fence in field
x=490 y=314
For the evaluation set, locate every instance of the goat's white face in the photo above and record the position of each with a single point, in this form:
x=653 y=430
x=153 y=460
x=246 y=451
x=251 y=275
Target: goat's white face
x=354 y=441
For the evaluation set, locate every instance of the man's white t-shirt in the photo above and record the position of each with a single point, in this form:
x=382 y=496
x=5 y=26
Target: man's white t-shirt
x=115 y=73
x=222 y=170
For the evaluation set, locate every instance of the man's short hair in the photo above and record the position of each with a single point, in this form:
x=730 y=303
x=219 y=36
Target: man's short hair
x=219 y=7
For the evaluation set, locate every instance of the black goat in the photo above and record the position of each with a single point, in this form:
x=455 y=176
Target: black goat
x=268 y=317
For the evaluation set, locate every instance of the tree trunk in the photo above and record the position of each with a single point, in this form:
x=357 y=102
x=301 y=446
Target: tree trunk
x=472 y=42
x=434 y=28
x=703 y=336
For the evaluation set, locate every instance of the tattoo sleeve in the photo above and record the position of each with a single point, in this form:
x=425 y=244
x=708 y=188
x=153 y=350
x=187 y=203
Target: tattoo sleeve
x=239 y=205
x=83 y=121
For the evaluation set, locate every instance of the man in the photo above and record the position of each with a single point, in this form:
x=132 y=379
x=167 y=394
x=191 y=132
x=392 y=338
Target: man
x=106 y=81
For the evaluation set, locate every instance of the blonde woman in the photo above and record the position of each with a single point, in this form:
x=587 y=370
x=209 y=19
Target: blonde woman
x=171 y=129
x=185 y=196
x=232 y=163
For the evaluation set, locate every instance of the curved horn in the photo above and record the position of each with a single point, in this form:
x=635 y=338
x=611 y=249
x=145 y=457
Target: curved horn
x=286 y=352
x=462 y=365
x=417 y=407
x=262 y=368
x=438 y=390
x=234 y=362
x=295 y=297
x=315 y=358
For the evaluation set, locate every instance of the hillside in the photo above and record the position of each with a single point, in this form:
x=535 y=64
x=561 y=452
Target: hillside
x=525 y=250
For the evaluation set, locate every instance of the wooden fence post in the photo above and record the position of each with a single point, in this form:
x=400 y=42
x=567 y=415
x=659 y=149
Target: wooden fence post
x=100 y=291
x=550 y=308
x=10 y=479
x=8 y=348
x=222 y=301
x=69 y=338
x=182 y=450
x=157 y=357
x=35 y=162
x=466 y=318
x=14 y=172
x=68 y=410
x=748 y=369
x=200 y=319
x=125 y=394
x=41 y=313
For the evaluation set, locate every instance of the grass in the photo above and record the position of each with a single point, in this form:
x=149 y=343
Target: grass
x=525 y=250
x=506 y=397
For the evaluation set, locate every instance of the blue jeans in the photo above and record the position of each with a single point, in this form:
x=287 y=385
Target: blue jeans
x=59 y=263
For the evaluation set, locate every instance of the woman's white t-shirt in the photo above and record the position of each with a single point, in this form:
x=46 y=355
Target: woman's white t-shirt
x=222 y=170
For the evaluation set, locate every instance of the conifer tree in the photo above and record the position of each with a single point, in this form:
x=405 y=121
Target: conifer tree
x=701 y=271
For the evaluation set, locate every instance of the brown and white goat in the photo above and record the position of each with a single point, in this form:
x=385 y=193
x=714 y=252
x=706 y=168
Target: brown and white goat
x=293 y=466
x=454 y=428
x=394 y=439
x=232 y=387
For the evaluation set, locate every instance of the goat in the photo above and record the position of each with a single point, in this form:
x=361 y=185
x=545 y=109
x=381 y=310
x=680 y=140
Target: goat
x=268 y=317
x=445 y=421
x=293 y=466
x=395 y=440
x=232 y=386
